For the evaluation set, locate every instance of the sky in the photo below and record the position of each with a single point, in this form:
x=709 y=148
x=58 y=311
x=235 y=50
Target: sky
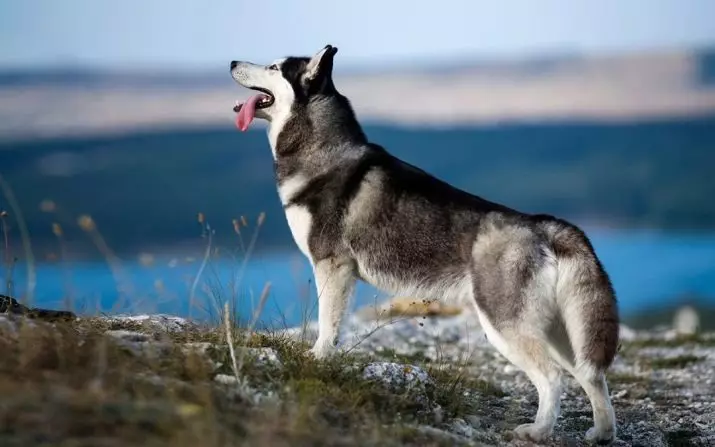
x=184 y=35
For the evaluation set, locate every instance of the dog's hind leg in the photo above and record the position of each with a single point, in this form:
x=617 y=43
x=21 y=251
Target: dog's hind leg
x=334 y=281
x=593 y=381
x=604 y=420
x=589 y=315
x=514 y=281
x=530 y=354
x=591 y=321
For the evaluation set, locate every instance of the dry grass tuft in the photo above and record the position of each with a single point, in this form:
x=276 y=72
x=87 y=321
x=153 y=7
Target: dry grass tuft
x=72 y=384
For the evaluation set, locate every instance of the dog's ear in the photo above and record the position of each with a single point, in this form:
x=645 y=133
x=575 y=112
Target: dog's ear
x=320 y=66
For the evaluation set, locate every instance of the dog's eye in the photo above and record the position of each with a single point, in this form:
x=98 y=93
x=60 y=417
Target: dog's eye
x=273 y=67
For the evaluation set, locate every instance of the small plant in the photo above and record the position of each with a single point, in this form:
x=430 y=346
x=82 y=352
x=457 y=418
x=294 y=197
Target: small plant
x=8 y=261
x=621 y=378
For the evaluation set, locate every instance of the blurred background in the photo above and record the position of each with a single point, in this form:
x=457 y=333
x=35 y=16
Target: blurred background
x=127 y=188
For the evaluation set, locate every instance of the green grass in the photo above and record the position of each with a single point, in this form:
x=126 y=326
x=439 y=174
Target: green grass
x=678 y=362
x=626 y=379
x=391 y=355
x=72 y=385
x=681 y=340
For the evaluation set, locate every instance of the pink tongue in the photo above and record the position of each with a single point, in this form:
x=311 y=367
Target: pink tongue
x=247 y=112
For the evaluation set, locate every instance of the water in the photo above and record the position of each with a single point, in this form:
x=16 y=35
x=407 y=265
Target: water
x=648 y=270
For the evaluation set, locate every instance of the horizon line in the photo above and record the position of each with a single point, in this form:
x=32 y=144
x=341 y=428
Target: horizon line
x=451 y=60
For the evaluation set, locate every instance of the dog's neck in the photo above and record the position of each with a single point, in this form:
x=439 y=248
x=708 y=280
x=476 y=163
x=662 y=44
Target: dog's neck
x=316 y=136
x=327 y=121
x=332 y=117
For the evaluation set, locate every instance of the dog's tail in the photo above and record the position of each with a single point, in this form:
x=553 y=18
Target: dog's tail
x=585 y=297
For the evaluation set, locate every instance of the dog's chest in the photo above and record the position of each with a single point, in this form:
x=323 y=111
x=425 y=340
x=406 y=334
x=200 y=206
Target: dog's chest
x=300 y=220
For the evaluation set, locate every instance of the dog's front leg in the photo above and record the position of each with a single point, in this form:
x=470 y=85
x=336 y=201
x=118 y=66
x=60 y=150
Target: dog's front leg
x=334 y=280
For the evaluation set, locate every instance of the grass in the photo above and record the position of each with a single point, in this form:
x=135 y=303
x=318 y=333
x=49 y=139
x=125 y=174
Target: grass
x=391 y=355
x=626 y=379
x=679 y=362
x=680 y=340
x=70 y=384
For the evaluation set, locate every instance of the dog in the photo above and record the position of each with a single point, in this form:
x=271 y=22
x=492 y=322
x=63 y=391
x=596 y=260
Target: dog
x=357 y=212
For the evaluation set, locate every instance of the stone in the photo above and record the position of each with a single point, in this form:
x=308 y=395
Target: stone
x=686 y=321
x=12 y=306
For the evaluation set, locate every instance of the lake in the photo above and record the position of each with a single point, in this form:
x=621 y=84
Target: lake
x=648 y=269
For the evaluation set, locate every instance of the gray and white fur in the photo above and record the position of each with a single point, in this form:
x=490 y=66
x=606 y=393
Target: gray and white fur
x=359 y=213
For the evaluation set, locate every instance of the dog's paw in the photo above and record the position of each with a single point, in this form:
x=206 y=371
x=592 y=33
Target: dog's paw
x=532 y=432
x=602 y=436
x=322 y=350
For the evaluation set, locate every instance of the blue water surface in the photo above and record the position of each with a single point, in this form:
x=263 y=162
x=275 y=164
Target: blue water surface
x=648 y=270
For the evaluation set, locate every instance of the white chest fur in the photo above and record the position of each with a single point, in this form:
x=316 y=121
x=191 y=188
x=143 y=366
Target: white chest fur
x=300 y=222
x=299 y=219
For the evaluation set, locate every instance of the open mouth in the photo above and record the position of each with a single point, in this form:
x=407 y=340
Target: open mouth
x=262 y=101
x=247 y=111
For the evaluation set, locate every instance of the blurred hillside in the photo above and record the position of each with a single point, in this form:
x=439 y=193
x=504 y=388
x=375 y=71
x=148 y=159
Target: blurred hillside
x=144 y=189
x=73 y=101
x=621 y=141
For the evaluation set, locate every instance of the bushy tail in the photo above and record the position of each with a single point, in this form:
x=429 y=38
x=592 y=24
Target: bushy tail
x=585 y=296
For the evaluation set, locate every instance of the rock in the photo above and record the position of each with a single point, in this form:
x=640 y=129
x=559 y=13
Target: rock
x=404 y=380
x=225 y=379
x=261 y=356
x=398 y=377
x=166 y=323
x=461 y=428
x=12 y=306
x=129 y=336
x=140 y=344
x=407 y=381
x=627 y=334
x=475 y=421
x=686 y=321
x=240 y=389
x=445 y=435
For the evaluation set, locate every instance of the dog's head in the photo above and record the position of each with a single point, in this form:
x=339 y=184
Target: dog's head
x=282 y=84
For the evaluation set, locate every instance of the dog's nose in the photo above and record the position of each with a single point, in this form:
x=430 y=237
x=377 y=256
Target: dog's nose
x=233 y=64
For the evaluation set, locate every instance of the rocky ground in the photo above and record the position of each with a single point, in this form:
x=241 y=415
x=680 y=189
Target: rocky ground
x=662 y=383
x=407 y=381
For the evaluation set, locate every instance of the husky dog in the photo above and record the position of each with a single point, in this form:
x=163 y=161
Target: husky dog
x=357 y=212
